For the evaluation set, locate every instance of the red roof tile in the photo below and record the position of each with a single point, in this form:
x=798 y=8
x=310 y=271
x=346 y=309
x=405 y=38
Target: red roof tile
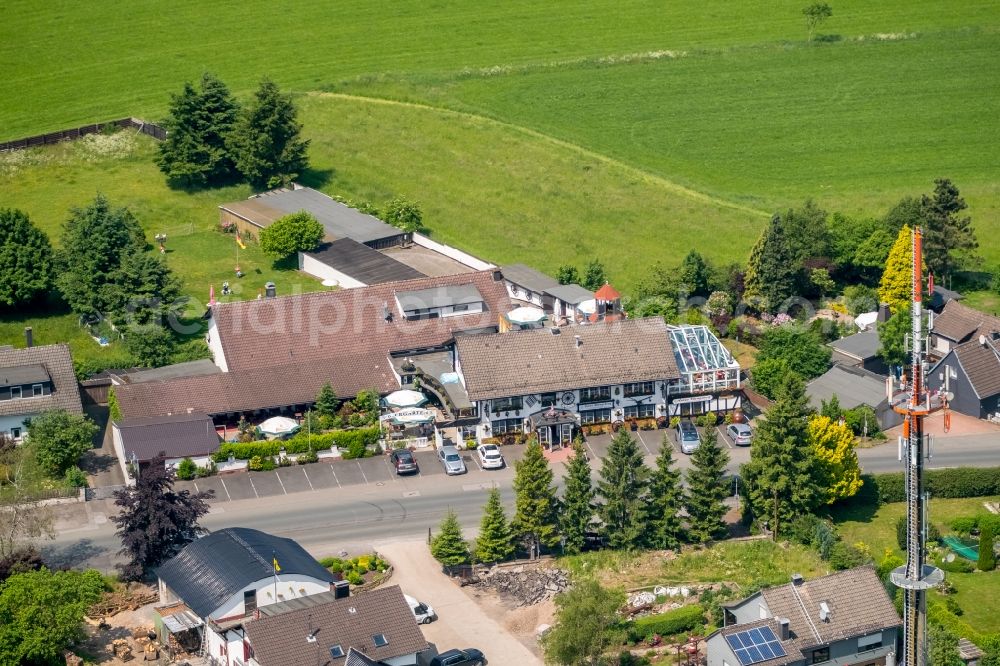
x=607 y=293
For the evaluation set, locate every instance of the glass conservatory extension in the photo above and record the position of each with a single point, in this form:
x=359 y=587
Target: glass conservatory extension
x=705 y=365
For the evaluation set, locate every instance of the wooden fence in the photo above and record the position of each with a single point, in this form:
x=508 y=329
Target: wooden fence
x=149 y=129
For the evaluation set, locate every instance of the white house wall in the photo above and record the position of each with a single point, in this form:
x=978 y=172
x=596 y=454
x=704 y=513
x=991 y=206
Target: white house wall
x=290 y=586
x=448 y=251
x=318 y=269
x=523 y=294
x=8 y=423
x=116 y=438
x=617 y=395
x=215 y=345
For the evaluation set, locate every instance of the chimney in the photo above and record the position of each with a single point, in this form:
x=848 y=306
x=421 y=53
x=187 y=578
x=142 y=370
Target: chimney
x=883 y=312
x=783 y=632
x=824 y=611
x=579 y=341
x=29 y=338
x=497 y=276
x=797 y=579
x=341 y=589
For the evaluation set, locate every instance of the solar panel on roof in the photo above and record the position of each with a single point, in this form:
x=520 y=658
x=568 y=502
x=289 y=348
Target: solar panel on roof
x=755 y=645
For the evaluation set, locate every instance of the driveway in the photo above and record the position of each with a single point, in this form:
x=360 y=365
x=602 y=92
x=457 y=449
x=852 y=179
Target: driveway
x=461 y=622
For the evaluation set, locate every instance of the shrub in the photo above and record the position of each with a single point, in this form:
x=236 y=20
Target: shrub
x=208 y=470
x=675 y=421
x=861 y=416
x=307 y=457
x=328 y=562
x=670 y=623
x=950 y=483
x=354 y=578
x=186 y=469
x=76 y=477
x=299 y=444
x=261 y=464
x=957 y=565
x=987 y=558
x=953 y=606
x=933 y=534
x=965 y=524
x=845 y=556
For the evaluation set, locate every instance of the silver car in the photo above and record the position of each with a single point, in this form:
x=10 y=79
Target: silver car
x=452 y=461
x=740 y=433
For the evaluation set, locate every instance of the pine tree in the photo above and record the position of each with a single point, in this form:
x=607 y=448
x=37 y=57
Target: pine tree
x=265 y=142
x=26 y=263
x=896 y=286
x=987 y=559
x=535 y=516
x=577 y=510
x=948 y=239
x=623 y=487
x=770 y=276
x=218 y=112
x=326 y=402
x=838 y=471
x=707 y=489
x=494 y=543
x=666 y=499
x=448 y=546
x=781 y=474
x=695 y=274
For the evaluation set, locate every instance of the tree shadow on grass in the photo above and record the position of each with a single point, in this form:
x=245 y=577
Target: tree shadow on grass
x=861 y=508
x=316 y=178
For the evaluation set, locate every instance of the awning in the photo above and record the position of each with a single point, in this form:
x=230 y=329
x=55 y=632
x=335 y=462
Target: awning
x=183 y=620
x=405 y=398
x=550 y=417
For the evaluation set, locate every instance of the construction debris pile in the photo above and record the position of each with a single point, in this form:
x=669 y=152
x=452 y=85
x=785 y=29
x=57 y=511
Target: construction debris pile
x=127 y=598
x=523 y=585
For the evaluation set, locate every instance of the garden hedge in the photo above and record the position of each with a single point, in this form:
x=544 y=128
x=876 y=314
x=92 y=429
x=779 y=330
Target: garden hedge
x=670 y=623
x=344 y=439
x=941 y=483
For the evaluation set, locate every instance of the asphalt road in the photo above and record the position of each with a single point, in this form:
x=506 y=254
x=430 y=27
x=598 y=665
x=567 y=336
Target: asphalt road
x=357 y=517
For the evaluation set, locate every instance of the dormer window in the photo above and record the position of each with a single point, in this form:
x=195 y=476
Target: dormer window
x=380 y=640
x=15 y=392
x=336 y=652
x=36 y=390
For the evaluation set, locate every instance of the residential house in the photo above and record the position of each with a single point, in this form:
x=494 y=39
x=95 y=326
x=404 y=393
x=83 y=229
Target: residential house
x=941 y=297
x=860 y=350
x=854 y=386
x=840 y=619
x=971 y=371
x=956 y=324
x=34 y=380
x=220 y=581
x=377 y=626
x=528 y=285
x=567 y=300
x=178 y=436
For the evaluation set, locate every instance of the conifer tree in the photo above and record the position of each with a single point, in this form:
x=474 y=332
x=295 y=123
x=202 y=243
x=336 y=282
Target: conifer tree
x=26 y=262
x=535 y=517
x=577 y=510
x=896 y=285
x=448 y=546
x=707 y=489
x=265 y=142
x=781 y=474
x=326 y=402
x=695 y=274
x=987 y=559
x=948 y=239
x=623 y=486
x=494 y=543
x=666 y=499
x=770 y=275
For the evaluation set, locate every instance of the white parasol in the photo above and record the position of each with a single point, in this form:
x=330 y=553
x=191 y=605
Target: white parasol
x=405 y=398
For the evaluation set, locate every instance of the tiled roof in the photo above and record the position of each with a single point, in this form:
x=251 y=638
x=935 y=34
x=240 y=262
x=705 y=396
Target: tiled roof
x=175 y=436
x=959 y=322
x=58 y=363
x=981 y=363
x=211 y=569
x=280 y=640
x=529 y=278
x=320 y=326
x=607 y=293
x=536 y=361
x=258 y=388
x=856 y=598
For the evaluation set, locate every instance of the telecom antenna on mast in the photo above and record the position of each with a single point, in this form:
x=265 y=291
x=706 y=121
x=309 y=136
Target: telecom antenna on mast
x=915 y=402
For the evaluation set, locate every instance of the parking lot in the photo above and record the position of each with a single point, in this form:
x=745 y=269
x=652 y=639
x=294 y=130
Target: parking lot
x=338 y=474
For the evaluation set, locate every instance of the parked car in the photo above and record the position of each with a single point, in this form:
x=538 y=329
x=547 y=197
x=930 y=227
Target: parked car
x=740 y=433
x=403 y=461
x=490 y=456
x=688 y=437
x=466 y=657
x=422 y=613
x=451 y=460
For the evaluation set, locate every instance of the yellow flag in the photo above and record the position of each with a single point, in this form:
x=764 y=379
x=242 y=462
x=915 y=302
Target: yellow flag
x=276 y=567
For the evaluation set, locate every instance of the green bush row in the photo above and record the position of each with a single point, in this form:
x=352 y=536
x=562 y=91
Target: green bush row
x=670 y=623
x=351 y=440
x=941 y=483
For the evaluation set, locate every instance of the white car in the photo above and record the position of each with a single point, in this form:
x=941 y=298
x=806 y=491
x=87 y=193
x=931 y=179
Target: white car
x=490 y=457
x=422 y=613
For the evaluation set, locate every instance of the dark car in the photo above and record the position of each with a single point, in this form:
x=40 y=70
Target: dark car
x=466 y=657
x=403 y=461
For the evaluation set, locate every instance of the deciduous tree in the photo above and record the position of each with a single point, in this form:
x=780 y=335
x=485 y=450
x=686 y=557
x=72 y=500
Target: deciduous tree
x=266 y=142
x=892 y=338
x=26 y=262
x=623 y=487
x=155 y=521
x=594 y=276
x=707 y=489
x=942 y=647
x=448 y=546
x=767 y=376
x=59 y=439
x=666 y=499
x=494 y=543
x=577 y=510
x=896 y=286
x=781 y=474
x=838 y=473
x=535 y=521
x=695 y=274
x=586 y=625
x=22 y=519
x=404 y=215
x=770 y=276
x=804 y=352
x=567 y=275
x=820 y=277
x=815 y=14
x=298 y=232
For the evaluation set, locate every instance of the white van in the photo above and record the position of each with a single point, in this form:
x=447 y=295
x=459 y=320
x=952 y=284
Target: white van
x=422 y=613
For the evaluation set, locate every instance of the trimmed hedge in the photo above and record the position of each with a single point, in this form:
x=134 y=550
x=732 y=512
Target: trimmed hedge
x=941 y=483
x=670 y=623
x=344 y=439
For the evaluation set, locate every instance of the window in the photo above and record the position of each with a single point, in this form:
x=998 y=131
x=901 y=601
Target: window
x=15 y=392
x=460 y=308
x=502 y=426
x=549 y=399
x=380 y=640
x=639 y=388
x=595 y=415
x=507 y=404
x=820 y=655
x=872 y=642
x=36 y=390
x=15 y=434
x=595 y=394
x=336 y=652
x=640 y=411
x=249 y=602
